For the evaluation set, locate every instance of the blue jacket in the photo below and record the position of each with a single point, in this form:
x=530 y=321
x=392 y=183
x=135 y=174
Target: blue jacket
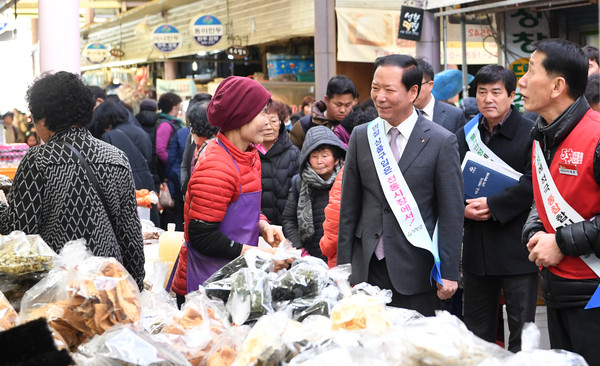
x=176 y=148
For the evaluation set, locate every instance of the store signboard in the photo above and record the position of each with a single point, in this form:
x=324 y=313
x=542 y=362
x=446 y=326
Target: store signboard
x=481 y=34
x=365 y=34
x=523 y=27
x=166 y=38
x=182 y=87
x=237 y=52
x=207 y=30
x=96 y=53
x=411 y=23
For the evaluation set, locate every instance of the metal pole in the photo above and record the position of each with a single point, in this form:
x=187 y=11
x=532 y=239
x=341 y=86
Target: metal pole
x=463 y=31
x=445 y=43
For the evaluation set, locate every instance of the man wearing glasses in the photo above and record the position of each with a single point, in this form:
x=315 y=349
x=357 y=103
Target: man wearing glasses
x=445 y=115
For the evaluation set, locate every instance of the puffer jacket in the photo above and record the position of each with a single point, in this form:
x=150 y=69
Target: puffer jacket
x=575 y=239
x=214 y=185
x=279 y=165
x=319 y=196
x=147 y=120
x=328 y=243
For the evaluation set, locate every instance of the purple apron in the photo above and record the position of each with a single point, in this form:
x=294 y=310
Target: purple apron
x=239 y=224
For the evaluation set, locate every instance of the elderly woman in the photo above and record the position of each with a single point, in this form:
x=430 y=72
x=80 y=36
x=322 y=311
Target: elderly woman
x=54 y=195
x=222 y=204
x=280 y=160
x=321 y=159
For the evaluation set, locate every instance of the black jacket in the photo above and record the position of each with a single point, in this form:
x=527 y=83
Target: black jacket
x=575 y=239
x=493 y=247
x=279 y=165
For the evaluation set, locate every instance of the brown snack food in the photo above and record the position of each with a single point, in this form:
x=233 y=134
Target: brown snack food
x=8 y=316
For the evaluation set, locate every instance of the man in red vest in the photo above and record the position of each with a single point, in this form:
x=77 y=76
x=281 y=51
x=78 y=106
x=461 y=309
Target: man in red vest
x=563 y=231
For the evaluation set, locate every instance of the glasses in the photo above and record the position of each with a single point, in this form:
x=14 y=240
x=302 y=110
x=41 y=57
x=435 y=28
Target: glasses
x=426 y=82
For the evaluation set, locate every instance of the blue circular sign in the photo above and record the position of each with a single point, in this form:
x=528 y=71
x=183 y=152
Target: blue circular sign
x=96 y=53
x=207 y=30
x=166 y=38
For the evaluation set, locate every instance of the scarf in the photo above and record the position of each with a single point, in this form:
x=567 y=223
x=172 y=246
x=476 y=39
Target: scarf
x=310 y=179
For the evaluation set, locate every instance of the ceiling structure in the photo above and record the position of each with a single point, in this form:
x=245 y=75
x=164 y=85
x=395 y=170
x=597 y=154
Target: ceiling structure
x=90 y=11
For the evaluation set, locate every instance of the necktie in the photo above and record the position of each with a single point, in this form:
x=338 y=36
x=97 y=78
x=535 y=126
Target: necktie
x=379 y=252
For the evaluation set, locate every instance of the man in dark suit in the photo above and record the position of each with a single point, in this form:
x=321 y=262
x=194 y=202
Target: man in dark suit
x=371 y=233
x=444 y=114
x=494 y=259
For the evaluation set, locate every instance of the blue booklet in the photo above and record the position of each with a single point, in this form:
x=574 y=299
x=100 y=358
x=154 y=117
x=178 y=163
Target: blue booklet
x=484 y=178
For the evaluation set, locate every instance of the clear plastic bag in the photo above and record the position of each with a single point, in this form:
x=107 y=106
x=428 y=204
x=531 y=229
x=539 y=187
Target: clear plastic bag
x=227 y=346
x=8 y=316
x=128 y=345
x=24 y=261
x=250 y=296
x=84 y=296
x=361 y=312
x=306 y=278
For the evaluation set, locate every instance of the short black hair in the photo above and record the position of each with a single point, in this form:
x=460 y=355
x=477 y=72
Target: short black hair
x=167 y=101
x=198 y=121
x=108 y=115
x=591 y=52
x=9 y=114
x=337 y=152
x=199 y=97
x=341 y=84
x=412 y=73
x=63 y=99
x=358 y=117
x=592 y=91
x=426 y=68
x=490 y=74
x=565 y=59
x=98 y=92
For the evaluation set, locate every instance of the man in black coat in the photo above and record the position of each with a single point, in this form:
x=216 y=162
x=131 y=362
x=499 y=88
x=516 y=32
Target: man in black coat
x=494 y=259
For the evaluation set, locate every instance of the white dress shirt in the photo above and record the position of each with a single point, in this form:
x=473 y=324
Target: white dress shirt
x=405 y=128
x=428 y=110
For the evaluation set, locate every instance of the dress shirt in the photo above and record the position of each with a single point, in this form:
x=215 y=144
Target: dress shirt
x=405 y=128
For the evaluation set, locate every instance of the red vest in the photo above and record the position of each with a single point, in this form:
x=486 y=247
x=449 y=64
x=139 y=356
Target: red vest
x=581 y=192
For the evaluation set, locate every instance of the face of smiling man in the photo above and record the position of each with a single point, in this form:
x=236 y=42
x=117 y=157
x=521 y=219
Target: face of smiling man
x=392 y=100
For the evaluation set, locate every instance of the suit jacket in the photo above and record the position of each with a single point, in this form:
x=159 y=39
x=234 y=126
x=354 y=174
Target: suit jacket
x=493 y=247
x=447 y=116
x=431 y=167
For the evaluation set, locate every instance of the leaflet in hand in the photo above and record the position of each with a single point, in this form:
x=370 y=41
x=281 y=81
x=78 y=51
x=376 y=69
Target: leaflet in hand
x=484 y=178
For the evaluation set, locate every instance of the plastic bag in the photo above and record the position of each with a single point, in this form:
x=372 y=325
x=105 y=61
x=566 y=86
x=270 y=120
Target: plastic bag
x=84 y=296
x=150 y=233
x=250 y=296
x=227 y=346
x=24 y=261
x=125 y=344
x=165 y=200
x=8 y=316
x=361 y=312
x=146 y=198
x=306 y=278
x=193 y=329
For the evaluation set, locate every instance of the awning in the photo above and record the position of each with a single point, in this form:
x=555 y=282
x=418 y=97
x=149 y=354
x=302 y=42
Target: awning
x=490 y=6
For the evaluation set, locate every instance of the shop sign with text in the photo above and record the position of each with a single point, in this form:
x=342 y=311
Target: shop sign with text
x=96 y=53
x=207 y=30
x=166 y=38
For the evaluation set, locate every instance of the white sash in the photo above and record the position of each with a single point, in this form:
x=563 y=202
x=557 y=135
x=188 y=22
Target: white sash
x=558 y=211
x=399 y=196
x=473 y=138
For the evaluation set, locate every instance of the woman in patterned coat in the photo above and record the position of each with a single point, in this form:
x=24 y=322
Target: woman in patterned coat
x=52 y=195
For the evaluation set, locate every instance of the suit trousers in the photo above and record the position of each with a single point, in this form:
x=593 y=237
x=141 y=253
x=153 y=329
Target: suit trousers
x=425 y=303
x=482 y=298
x=576 y=329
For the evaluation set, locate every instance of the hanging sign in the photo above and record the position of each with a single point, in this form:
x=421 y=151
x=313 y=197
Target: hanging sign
x=207 y=30
x=237 y=52
x=166 y=38
x=96 y=53
x=411 y=23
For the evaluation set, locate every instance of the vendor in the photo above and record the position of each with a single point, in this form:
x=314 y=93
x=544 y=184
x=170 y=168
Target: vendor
x=222 y=205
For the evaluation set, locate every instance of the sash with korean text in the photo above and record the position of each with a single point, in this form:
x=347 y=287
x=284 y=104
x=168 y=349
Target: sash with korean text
x=476 y=145
x=560 y=213
x=399 y=197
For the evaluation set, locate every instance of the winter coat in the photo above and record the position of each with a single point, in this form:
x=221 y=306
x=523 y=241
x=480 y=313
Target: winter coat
x=279 y=165
x=51 y=196
x=173 y=168
x=328 y=243
x=165 y=129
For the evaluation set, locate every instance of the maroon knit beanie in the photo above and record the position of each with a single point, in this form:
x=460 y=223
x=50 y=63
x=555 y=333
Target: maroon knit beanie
x=236 y=102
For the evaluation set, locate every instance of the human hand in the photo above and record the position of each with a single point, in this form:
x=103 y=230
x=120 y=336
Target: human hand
x=447 y=289
x=543 y=250
x=477 y=209
x=272 y=234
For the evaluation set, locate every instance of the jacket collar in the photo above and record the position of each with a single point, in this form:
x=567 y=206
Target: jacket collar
x=553 y=134
x=247 y=157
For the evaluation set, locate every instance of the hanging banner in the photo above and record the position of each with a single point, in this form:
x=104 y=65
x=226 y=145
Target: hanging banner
x=365 y=34
x=96 y=53
x=411 y=23
x=182 y=87
x=166 y=38
x=207 y=30
x=481 y=33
